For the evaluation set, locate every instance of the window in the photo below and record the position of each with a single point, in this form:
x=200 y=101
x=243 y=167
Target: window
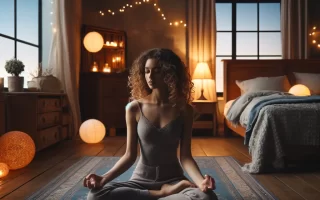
x=247 y=29
x=20 y=35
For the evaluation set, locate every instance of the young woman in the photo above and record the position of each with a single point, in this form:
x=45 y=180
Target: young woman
x=160 y=118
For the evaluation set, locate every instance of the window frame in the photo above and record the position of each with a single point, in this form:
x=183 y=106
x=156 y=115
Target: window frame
x=234 y=30
x=16 y=40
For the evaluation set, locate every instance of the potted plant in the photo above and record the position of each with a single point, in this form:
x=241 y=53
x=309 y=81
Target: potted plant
x=15 y=82
x=44 y=81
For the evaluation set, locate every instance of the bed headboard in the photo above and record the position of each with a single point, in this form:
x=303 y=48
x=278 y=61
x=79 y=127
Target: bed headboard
x=248 y=69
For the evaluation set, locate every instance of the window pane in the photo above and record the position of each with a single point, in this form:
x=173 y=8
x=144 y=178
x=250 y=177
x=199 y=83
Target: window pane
x=27 y=20
x=247 y=17
x=270 y=44
x=6 y=53
x=224 y=15
x=247 y=44
x=269 y=16
x=224 y=44
x=271 y=58
x=219 y=73
x=29 y=56
x=246 y=58
x=7 y=17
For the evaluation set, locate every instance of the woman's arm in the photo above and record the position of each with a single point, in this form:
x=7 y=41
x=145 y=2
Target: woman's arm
x=128 y=159
x=186 y=159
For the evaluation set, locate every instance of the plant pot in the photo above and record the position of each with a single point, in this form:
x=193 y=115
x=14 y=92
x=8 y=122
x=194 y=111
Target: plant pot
x=15 y=83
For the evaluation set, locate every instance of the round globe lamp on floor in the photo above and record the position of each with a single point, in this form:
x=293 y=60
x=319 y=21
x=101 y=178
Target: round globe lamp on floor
x=4 y=170
x=92 y=131
x=17 y=149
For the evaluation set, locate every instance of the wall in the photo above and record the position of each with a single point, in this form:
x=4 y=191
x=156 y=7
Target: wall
x=143 y=24
x=314 y=20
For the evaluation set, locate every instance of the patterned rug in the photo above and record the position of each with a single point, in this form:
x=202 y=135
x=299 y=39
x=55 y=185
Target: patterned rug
x=231 y=182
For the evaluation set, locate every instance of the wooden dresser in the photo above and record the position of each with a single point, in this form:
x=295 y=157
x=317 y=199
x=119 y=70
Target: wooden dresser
x=104 y=97
x=2 y=114
x=44 y=116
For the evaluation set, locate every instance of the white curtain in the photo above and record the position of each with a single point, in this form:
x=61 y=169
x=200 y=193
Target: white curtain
x=202 y=43
x=294 y=29
x=64 y=55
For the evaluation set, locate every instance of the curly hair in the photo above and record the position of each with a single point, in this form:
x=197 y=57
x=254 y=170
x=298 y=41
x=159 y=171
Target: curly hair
x=174 y=71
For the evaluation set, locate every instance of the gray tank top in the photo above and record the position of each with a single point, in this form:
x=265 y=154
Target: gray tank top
x=158 y=149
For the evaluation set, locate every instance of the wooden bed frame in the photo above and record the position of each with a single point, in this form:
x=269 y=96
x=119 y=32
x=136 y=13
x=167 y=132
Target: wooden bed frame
x=248 y=69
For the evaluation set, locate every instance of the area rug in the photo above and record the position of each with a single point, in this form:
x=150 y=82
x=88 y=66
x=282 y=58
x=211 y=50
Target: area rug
x=231 y=182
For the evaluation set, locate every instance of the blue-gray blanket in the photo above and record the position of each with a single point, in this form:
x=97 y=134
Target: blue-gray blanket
x=284 y=99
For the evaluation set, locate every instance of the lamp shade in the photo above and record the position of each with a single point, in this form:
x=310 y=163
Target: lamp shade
x=300 y=90
x=202 y=71
x=92 y=131
x=93 y=42
x=17 y=149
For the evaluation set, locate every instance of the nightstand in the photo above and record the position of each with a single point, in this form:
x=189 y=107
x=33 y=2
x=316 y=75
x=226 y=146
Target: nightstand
x=205 y=108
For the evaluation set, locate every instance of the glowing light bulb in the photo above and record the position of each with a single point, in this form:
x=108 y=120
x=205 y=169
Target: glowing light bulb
x=170 y=24
x=159 y=9
x=181 y=22
x=176 y=23
x=313 y=41
x=164 y=18
x=155 y=4
x=314 y=28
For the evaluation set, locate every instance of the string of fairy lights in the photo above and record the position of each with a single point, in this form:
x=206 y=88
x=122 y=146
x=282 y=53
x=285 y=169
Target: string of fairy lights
x=177 y=23
x=54 y=29
x=315 y=34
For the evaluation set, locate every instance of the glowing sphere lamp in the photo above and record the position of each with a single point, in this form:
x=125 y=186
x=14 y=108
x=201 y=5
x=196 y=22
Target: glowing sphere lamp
x=93 y=42
x=92 y=131
x=299 y=90
x=17 y=149
x=4 y=170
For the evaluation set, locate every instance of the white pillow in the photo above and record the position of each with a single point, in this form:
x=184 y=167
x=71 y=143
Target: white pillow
x=278 y=83
x=311 y=80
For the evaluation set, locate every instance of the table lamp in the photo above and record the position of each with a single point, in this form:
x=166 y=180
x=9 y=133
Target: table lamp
x=202 y=72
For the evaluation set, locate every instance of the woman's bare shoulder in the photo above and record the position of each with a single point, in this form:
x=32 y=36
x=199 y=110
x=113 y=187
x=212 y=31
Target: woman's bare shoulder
x=132 y=107
x=188 y=110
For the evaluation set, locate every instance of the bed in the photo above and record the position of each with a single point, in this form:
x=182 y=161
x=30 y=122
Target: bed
x=249 y=69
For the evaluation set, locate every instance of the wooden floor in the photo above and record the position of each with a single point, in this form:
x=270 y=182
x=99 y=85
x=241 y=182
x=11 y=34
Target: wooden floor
x=51 y=162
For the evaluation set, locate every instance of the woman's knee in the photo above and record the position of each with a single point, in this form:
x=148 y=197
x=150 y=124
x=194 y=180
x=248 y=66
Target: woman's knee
x=96 y=195
x=196 y=193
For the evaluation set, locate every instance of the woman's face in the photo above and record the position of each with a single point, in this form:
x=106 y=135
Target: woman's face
x=153 y=75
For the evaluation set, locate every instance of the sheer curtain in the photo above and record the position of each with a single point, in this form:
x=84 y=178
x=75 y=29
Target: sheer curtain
x=294 y=29
x=202 y=43
x=64 y=55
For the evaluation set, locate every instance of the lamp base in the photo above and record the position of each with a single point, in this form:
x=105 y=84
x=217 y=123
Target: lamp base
x=202 y=97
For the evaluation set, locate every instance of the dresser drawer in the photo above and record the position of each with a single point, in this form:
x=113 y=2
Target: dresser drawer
x=46 y=120
x=48 y=137
x=49 y=105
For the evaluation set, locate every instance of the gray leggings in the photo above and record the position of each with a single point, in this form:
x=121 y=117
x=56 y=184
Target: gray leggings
x=126 y=193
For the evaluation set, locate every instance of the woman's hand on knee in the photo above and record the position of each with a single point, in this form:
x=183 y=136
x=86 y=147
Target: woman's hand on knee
x=93 y=181
x=207 y=184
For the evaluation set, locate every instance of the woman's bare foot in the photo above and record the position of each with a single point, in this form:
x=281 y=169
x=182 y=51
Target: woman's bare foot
x=168 y=189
